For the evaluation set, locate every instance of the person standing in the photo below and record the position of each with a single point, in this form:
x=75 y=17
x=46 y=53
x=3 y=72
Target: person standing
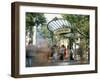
x=62 y=52
x=65 y=52
x=29 y=53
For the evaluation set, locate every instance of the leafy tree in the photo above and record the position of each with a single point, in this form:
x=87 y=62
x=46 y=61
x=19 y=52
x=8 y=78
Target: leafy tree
x=34 y=19
x=80 y=22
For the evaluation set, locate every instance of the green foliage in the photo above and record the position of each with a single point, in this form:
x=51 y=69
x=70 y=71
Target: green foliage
x=80 y=22
x=30 y=19
x=45 y=31
x=34 y=19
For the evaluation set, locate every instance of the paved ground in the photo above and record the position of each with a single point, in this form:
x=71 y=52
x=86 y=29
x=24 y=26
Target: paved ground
x=71 y=62
x=60 y=63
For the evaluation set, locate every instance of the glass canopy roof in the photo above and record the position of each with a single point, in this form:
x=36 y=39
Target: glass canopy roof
x=59 y=25
x=63 y=26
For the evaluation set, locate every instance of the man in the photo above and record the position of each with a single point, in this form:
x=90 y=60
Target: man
x=29 y=54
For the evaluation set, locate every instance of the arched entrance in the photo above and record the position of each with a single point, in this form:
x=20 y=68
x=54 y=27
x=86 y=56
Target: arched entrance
x=64 y=33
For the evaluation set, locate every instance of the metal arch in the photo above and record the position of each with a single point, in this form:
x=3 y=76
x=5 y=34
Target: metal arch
x=58 y=23
x=49 y=24
x=51 y=27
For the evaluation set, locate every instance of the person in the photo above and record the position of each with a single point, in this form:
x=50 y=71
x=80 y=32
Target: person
x=65 y=52
x=29 y=52
x=62 y=52
x=52 y=51
x=55 y=55
x=71 y=54
x=80 y=52
x=68 y=52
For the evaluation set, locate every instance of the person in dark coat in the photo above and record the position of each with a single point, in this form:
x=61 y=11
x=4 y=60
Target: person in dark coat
x=29 y=53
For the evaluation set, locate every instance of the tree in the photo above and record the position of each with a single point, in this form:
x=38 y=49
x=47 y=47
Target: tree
x=80 y=22
x=33 y=19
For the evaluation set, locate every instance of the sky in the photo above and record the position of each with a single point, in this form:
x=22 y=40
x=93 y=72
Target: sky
x=49 y=17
